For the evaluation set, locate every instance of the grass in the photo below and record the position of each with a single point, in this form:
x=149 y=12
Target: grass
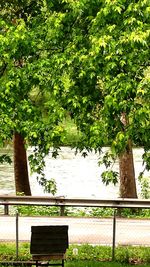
x=99 y=264
x=86 y=255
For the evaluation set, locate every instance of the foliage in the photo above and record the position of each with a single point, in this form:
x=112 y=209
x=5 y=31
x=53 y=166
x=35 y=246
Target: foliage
x=90 y=58
x=109 y=177
x=133 y=254
x=99 y=264
x=8 y=251
x=5 y=158
x=89 y=252
x=84 y=254
x=26 y=106
x=71 y=134
x=37 y=211
x=79 y=212
x=145 y=186
x=105 y=66
x=89 y=212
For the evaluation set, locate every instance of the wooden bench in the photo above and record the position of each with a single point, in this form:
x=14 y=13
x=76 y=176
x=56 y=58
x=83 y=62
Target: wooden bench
x=49 y=243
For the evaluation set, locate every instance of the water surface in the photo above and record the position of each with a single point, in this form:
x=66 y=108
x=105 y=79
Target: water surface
x=75 y=175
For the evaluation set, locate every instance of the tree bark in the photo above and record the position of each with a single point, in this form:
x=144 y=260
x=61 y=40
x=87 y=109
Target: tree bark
x=127 y=173
x=20 y=166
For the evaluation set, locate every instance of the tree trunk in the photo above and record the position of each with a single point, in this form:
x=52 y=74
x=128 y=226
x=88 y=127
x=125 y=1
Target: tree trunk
x=127 y=173
x=20 y=166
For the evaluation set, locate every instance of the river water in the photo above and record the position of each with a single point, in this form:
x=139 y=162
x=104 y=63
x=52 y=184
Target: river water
x=75 y=175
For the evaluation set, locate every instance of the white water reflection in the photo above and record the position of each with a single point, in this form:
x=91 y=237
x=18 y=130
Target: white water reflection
x=75 y=176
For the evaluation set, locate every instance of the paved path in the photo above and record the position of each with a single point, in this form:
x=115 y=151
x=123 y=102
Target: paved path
x=81 y=230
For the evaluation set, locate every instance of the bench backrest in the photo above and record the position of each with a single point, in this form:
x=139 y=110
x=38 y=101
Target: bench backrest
x=46 y=240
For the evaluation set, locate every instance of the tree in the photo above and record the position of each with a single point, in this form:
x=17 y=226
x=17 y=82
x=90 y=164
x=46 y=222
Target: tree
x=25 y=52
x=103 y=81
x=89 y=57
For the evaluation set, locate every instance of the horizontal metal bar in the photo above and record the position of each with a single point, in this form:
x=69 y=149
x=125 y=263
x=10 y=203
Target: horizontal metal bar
x=75 y=202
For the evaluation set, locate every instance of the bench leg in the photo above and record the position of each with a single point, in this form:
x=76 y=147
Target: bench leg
x=36 y=263
x=62 y=263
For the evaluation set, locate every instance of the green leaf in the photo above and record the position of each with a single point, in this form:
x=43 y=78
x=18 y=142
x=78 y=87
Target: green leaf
x=110 y=177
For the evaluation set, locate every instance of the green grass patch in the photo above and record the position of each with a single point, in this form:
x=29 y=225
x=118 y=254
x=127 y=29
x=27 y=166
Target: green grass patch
x=95 y=264
x=83 y=253
x=99 y=264
x=8 y=251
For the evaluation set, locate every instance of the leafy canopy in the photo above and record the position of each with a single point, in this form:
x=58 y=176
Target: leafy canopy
x=90 y=57
x=105 y=82
x=28 y=34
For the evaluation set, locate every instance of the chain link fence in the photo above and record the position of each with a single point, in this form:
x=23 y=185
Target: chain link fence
x=112 y=231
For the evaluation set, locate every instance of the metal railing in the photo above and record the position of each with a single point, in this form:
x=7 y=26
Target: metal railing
x=115 y=204
x=8 y=200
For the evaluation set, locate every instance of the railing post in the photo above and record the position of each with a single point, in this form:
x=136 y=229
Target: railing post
x=6 y=209
x=62 y=210
x=17 y=234
x=114 y=236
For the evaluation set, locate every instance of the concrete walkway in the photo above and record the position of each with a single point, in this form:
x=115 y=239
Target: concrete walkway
x=81 y=230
